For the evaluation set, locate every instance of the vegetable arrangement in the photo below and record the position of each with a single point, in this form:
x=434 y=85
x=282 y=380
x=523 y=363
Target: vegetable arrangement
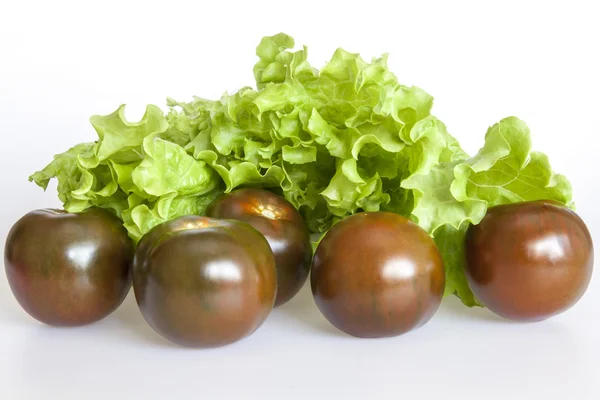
x=346 y=152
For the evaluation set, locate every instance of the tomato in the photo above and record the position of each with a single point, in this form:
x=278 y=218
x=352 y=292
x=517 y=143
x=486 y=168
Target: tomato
x=530 y=260
x=377 y=274
x=284 y=229
x=204 y=282
x=68 y=269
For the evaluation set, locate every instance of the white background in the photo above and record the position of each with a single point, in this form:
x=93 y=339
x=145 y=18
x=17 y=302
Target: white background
x=482 y=61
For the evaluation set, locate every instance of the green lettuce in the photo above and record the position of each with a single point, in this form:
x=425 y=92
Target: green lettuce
x=134 y=170
x=333 y=141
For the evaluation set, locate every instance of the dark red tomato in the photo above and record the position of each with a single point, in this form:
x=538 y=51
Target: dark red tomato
x=203 y=282
x=283 y=227
x=377 y=275
x=69 y=269
x=529 y=261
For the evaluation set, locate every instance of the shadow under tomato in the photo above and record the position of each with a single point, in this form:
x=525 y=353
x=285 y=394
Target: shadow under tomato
x=129 y=314
x=11 y=314
x=302 y=308
x=453 y=305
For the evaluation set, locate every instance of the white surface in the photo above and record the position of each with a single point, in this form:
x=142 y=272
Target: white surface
x=63 y=62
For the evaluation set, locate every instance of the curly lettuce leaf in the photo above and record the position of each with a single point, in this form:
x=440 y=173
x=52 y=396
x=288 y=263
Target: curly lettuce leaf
x=133 y=170
x=167 y=168
x=79 y=187
x=506 y=170
x=120 y=139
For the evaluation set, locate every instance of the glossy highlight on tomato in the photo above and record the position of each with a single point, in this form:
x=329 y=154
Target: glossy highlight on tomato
x=529 y=261
x=204 y=282
x=283 y=227
x=377 y=274
x=69 y=269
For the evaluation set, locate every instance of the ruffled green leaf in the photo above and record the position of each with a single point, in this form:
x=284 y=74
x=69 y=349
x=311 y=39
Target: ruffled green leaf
x=120 y=139
x=168 y=168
